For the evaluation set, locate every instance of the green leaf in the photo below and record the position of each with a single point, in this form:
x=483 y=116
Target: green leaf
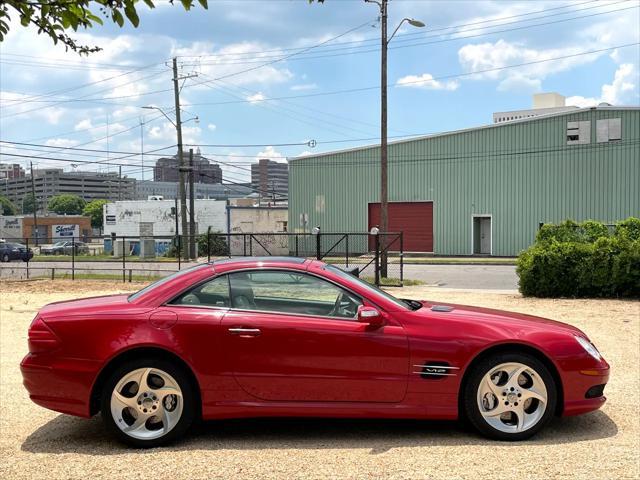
x=94 y=18
x=204 y=4
x=132 y=15
x=149 y=3
x=25 y=20
x=117 y=17
x=187 y=4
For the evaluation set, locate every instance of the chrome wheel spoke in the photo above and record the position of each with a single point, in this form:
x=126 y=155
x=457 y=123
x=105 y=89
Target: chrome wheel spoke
x=531 y=393
x=121 y=401
x=143 y=380
x=514 y=375
x=164 y=391
x=138 y=426
x=499 y=410
x=521 y=418
x=495 y=389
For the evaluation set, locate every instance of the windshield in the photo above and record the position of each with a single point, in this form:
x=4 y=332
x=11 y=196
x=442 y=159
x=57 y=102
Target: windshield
x=59 y=244
x=367 y=286
x=162 y=281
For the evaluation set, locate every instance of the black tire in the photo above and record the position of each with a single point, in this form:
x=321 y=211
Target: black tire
x=188 y=396
x=476 y=375
x=6 y=258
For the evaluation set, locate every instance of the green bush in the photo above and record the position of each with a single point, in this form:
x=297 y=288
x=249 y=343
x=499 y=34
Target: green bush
x=217 y=245
x=582 y=260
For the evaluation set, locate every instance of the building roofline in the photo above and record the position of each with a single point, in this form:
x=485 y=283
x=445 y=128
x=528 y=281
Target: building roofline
x=464 y=130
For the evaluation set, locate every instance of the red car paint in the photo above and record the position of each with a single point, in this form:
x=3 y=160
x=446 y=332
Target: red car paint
x=299 y=365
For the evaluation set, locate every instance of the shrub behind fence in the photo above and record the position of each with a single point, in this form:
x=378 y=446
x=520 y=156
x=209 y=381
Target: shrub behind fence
x=582 y=260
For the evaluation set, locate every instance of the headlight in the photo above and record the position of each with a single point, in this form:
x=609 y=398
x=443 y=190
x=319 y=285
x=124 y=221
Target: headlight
x=589 y=347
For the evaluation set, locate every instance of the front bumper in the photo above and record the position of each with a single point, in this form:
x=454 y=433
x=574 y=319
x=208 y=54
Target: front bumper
x=63 y=385
x=579 y=387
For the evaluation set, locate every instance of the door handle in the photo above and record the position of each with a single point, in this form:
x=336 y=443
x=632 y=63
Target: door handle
x=252 y=332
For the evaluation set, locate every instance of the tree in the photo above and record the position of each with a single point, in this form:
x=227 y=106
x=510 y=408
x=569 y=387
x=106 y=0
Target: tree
x=93 y=210
x=7 y=206
x=55 y=17
x=28 y=204
x=66 y=204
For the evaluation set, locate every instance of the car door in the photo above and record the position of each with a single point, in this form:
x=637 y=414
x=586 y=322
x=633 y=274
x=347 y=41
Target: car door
x=292 y=336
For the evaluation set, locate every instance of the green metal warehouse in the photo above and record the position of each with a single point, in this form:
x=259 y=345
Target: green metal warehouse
x=482 y=190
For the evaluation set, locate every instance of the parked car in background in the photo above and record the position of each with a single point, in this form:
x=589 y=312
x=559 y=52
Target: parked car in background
x=256 y=337
x=65 y=247
x=14 y=251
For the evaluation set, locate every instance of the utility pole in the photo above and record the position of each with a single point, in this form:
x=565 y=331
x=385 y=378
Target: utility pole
x=181 y=186
x=35 y=204
x=120 y=182
x=142 y=147
x=192 y=211
x=384 y=196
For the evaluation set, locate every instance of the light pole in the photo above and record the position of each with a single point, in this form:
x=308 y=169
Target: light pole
x=384 y=195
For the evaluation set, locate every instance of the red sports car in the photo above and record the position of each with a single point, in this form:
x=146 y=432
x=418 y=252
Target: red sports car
x=256 y=337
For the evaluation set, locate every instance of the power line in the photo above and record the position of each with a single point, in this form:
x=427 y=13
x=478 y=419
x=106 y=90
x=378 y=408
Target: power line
x=377 y=39
x=399 y=44
x=442 y=77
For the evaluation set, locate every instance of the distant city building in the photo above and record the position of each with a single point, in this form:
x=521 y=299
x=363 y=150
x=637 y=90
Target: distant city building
x=166 y=169
x=270 y=179
x=11 y=170
x=543 y=104
x=54 y=181
x=169 y=190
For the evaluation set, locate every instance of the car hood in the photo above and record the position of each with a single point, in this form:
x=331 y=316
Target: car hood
x=512 y=321
x=107 y=304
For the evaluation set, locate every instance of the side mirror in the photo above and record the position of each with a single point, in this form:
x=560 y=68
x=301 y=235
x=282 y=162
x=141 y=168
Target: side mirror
x=370 y=316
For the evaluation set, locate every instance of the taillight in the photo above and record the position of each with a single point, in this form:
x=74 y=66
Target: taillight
x=41 y=338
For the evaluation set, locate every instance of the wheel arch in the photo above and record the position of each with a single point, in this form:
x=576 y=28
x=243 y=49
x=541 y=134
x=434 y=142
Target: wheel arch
x=512 y=348
x=141 y=352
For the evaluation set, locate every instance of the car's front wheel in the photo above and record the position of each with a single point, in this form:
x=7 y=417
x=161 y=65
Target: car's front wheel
x=148 y=402
x=6 y=258
x=510 y=396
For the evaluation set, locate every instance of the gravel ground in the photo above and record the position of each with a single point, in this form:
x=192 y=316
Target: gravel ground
x=37 y=443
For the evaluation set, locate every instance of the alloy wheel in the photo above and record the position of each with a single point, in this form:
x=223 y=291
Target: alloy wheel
x=512 y=397
x=146 y=403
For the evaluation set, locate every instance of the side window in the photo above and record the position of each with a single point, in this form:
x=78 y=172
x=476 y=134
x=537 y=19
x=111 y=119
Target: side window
x=291 y=292
x=214 y=293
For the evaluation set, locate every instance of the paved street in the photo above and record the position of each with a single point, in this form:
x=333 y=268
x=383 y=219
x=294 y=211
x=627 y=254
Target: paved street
x=486 y=277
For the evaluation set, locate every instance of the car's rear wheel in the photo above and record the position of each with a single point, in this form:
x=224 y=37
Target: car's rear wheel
x=510 y=396
x=148 y=402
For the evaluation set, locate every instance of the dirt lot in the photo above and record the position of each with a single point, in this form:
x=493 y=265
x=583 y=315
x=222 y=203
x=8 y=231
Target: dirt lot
x=37 y=443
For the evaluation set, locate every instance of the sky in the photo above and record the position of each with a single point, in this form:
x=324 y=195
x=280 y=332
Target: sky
x=283 y=78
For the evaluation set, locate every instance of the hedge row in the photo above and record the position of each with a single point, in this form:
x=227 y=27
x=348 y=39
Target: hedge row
x=582 y=260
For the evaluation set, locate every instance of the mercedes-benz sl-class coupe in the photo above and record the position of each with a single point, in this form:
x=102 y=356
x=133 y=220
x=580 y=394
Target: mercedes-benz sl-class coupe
x=258 y=337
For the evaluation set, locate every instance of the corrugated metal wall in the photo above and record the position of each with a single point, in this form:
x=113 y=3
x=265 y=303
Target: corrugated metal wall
x=520 y=173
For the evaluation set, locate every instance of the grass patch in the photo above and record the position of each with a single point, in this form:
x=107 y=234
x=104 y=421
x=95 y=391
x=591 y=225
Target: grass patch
x=392 y=282
x=99 y=258
x=108 y=276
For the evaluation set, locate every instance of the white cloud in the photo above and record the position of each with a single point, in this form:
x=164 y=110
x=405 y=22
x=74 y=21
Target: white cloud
x=166 y=134
x=490 y=56
x=623 y=89
x=426 y=81
x=305 y=153
x=60 y=142
x=83 y=124
x=226 y=62
x=256 y=97
x=520 y=84
x=270 y=153
x=304 y=86
x=212 y=127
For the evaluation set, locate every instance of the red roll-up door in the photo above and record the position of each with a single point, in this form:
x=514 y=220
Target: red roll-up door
x=414 y=219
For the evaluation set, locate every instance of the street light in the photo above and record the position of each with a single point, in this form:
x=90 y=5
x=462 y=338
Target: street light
x=384 y=196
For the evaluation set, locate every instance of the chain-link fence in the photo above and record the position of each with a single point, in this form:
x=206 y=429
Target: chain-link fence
x=379 y=258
